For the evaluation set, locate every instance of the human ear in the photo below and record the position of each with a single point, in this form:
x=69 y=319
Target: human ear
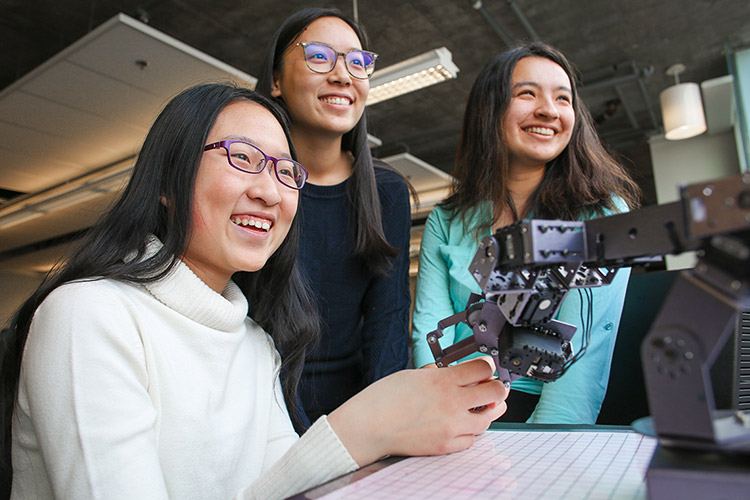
x=163 y=200
x=275 y=88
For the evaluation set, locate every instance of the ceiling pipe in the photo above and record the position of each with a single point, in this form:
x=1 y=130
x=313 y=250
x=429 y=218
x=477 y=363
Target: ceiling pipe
x=477 y=5
x=608 y=71
x=628 y=111
x=644 y=93
x=622 y=134
x=618 y=80
x=522 y=19
x=637 y=75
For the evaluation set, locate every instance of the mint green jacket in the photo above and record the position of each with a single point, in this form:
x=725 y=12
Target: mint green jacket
x=443 y=287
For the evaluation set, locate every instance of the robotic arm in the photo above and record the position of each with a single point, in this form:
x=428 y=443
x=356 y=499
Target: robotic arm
x=525 y=271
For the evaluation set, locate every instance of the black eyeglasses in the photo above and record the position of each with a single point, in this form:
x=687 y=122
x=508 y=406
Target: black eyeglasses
x=321 y=58
x=250 y=159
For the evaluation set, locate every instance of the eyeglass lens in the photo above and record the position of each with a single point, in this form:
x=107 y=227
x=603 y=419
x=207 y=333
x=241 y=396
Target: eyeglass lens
x=248 y=158
x=322 y=58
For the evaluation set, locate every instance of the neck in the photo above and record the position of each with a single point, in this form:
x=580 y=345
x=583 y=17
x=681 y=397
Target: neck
x=521 y=183
x=326 y=163
x=216 y=281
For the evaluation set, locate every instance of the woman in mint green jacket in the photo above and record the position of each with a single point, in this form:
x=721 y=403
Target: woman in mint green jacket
x=528 y=149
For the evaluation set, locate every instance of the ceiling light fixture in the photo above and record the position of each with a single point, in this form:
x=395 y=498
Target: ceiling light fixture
x=68 y=194
x=412 y=74
x=682 y=108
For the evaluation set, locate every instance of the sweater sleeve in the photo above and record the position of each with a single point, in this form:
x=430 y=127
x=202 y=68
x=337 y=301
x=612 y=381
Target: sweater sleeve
x=281 y=435
x=386 y=303
x=433 y=300
x=81 y=351
x=315 y=458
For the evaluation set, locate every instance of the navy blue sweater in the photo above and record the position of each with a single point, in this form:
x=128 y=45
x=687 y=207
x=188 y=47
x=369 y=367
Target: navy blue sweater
x=365 y=318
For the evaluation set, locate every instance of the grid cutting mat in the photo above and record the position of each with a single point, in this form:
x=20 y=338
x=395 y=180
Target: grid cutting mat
x=519 y=464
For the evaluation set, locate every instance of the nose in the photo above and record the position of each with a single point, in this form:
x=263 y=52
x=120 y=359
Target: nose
x=339 y=74
x=546 y=107
x=265 y=186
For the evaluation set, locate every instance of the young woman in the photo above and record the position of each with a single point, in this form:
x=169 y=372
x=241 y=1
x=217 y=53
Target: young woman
x=135 y=372
x=355 y=217
x=527 y=149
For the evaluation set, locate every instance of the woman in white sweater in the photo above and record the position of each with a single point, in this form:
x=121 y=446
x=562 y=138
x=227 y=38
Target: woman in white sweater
x=135 y=371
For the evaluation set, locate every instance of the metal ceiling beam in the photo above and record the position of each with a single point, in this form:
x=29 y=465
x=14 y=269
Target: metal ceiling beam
x=613 y=135
x=637 y=74
x=522 y=19
x=477 y=5
x=628 y=111
x=651 y=114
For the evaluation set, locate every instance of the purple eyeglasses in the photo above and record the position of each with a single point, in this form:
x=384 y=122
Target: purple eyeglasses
x=249 y=158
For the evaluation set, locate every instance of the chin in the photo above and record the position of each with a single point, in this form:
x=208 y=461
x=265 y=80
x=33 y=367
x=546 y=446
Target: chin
x=342 y=127
x=250 y=267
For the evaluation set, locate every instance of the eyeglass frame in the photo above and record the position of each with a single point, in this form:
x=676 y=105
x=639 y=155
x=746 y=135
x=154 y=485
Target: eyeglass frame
x=336 y=60
x=226 y=143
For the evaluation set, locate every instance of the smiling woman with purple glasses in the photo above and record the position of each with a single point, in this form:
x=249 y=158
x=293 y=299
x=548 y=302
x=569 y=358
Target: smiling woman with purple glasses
x=139 y=370
x=355 y=215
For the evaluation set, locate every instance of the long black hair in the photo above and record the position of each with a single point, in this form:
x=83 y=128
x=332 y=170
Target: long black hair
x=583 y=179
x=371 y=245
x=166 y=170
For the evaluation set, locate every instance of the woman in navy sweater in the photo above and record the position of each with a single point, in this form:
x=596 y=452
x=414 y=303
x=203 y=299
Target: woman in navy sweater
x=355 y=214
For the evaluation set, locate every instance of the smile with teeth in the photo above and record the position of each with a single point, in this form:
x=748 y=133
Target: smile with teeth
x=336 y=100
x=252 y=222
x=540 y=130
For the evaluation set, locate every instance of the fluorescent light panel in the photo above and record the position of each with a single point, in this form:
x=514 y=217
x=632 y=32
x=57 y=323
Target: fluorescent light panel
x=412 y=74
x=18 y=217
x=68 y=194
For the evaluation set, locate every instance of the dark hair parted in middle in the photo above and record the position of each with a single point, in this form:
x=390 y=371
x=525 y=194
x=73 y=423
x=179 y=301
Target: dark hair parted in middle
x=371 y=244
x=158 y=200
x=583 y=179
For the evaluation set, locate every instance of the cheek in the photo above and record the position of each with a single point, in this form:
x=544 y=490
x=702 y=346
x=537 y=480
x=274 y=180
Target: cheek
x=214 y=196
x=570 y=118
x=200 y=215
x=507 y=127
x=363 y=87
x=513 y=116
x=288 y=207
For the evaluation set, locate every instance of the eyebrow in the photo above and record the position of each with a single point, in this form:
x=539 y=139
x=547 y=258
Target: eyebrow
x=334 y=48
x=244 y=138
x=534 y=84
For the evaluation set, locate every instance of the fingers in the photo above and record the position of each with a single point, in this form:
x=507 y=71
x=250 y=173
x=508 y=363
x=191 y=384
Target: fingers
x=485 y=358
x=492 y=413
x=473 y=371
x=479 y=420
x=459 y=443
x=475 y=422
x=489 y=393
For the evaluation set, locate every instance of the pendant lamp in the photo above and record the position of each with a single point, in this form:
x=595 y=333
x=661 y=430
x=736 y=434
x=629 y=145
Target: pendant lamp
x=682 y=108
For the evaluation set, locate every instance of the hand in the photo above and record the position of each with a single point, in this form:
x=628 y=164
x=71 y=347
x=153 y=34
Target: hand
x=421 y=412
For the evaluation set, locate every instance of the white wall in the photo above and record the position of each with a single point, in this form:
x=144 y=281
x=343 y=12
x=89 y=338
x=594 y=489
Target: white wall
x=688 y=161
x=699 y=159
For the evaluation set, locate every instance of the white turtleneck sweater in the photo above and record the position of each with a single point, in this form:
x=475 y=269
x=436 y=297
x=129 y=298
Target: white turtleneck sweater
x=156 y=391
